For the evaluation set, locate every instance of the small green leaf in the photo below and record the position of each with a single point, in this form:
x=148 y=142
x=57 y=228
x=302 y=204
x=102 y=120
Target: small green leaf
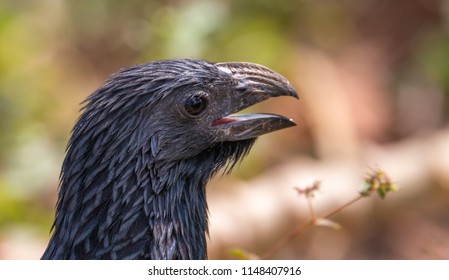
x=377 y=181
x=243 y=255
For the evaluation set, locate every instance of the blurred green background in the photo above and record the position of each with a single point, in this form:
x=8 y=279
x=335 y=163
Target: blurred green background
x=370 y=73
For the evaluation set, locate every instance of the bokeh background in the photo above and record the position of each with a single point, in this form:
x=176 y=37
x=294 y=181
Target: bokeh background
x=373 y=76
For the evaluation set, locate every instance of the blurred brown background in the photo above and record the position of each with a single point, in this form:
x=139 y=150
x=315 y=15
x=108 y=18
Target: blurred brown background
x=373 y=77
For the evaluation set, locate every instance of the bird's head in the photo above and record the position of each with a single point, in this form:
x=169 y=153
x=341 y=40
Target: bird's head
x=143 y=149
x=180 y=108
x=171 y=110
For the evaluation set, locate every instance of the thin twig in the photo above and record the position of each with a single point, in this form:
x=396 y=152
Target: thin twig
x=282 y=242
x=311 y=209
x=354 y=200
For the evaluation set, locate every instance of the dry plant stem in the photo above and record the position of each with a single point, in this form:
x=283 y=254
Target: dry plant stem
x=311 y=209
x=281 y=243
x=354 y=200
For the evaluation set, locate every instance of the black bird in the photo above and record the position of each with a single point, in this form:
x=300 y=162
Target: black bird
x=132 y=184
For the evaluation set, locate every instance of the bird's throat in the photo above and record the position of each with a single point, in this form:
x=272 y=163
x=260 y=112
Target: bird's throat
x=177 y=212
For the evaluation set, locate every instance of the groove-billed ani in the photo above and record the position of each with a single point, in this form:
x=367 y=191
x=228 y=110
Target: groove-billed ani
x=132 y=184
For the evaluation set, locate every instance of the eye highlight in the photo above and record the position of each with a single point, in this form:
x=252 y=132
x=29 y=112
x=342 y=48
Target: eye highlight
x=195 y=104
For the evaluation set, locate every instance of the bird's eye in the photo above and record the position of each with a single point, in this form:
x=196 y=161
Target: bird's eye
x=195 y=104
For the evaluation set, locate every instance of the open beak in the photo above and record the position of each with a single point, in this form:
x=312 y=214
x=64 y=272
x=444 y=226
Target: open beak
x=255 y=83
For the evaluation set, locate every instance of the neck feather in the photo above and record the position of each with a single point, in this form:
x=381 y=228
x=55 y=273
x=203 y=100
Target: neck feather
x=117 y=201
x=132 y=210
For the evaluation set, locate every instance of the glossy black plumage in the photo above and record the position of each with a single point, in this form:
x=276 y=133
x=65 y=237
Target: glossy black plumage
x=132 y=184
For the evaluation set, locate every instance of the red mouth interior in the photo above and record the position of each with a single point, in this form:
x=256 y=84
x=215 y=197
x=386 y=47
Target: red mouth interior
x=224 y=120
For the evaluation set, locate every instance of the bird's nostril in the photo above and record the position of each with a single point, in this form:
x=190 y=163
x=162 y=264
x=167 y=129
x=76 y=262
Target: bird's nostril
x=241 y=88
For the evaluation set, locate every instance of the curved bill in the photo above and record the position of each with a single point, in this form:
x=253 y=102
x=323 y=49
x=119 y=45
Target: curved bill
x=255 y=83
